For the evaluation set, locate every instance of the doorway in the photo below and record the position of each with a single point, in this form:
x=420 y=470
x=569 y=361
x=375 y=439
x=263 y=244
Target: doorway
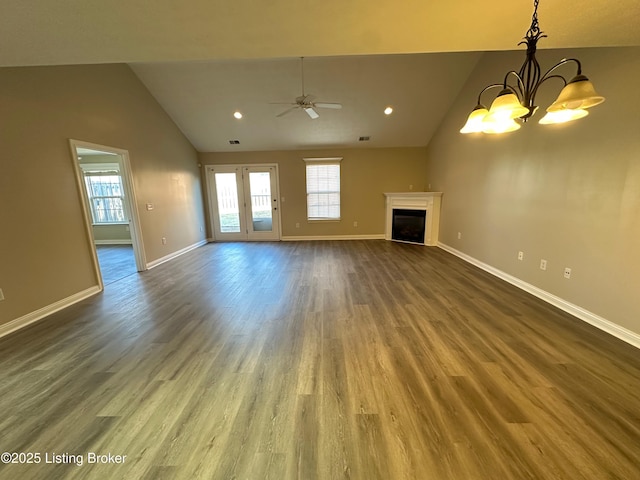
x=244 y=202
x=105 y=183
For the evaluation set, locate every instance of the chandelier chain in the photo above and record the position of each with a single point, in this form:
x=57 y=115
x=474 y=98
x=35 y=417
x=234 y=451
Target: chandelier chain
x=534 y=29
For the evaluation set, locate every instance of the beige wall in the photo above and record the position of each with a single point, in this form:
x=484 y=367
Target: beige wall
x=44 y=250
x=569 y=194
x=113 y=233
x=365 y=175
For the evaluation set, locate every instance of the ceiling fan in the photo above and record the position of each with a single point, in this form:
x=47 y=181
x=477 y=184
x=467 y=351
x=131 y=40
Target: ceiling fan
x=305 y=102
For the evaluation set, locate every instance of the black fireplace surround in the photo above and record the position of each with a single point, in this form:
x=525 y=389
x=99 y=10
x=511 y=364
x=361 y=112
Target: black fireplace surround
x=408 y=225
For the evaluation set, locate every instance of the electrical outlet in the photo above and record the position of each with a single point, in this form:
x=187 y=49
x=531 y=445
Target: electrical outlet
x=1 y=295
x=520 y=255
x=164 y=240
x=355 y=224
x=567 y=272
x=410 y=187
x=297 y=224
x=459 y=235
x=543 y=264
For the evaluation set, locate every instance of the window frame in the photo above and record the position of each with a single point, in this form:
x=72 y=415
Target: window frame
x=103 y=170
x=317 y=162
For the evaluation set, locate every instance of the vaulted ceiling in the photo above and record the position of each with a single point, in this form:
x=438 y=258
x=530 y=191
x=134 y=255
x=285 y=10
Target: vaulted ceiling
x=202 y=97
x=205 y=59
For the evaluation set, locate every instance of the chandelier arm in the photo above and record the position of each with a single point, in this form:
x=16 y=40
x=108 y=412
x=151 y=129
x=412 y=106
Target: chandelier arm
x=562 y=62
x=548 y=75
x=520 y=85
x=544 y=79
x=488 y=87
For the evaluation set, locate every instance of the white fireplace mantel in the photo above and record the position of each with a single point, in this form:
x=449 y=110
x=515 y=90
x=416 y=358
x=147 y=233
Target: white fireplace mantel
x=427 y=201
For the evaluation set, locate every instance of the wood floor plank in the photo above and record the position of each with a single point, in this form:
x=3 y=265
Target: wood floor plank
x=359 y=360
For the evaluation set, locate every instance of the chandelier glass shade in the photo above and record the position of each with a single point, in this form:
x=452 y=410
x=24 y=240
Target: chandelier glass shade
x=562 y=116
x=578 y=93
x=515 y=103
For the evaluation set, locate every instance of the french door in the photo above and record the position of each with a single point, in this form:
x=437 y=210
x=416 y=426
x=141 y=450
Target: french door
x=244 y=202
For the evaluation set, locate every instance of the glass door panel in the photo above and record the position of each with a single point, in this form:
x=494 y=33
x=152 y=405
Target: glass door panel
x=227 y=202
x=261 y=199
x=227 y=196
x=260 y=192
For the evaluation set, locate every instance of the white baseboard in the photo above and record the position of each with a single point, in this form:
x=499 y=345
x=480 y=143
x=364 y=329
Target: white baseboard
x=113 y=242
x=39 y=314
x=597 y=321
x=175 y=254
x=294 y=238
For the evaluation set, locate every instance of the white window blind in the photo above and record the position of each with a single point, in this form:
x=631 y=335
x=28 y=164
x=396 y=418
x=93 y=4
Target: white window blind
x=323 y=188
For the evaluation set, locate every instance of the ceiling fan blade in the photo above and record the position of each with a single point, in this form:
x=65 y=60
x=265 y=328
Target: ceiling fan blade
x=286 y=111
x=311 y=112
x=336 y=106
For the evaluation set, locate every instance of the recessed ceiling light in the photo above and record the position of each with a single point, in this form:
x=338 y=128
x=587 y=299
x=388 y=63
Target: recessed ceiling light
x=388 y=111
x=238 y=115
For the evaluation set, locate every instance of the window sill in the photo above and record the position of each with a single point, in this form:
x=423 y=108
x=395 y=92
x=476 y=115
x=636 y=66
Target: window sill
x=323 y=220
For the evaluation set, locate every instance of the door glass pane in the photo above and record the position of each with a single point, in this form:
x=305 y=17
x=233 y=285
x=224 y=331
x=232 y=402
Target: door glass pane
x=228 y=210
x=260 y=186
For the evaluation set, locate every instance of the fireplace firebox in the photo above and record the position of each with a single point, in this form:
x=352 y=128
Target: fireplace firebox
x=408 y=225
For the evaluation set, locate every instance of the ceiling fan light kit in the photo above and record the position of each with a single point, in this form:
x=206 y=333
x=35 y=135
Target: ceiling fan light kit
x=515 y=104
x=305 y=102
x=311 y=112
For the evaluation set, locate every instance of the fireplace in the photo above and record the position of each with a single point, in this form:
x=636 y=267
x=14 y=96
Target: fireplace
x=413 y=217
x=408 y=225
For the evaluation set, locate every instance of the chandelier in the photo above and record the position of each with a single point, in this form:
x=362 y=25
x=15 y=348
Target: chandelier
x=515 y=104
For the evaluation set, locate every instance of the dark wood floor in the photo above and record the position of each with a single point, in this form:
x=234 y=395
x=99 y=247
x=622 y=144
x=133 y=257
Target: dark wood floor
x=320 y=360
x=116 y=262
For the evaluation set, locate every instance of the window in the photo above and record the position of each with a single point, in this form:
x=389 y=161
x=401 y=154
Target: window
x=323 y=188
x=105 y=192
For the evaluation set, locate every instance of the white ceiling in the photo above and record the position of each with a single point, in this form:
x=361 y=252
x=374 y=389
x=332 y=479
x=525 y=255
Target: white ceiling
x=203 y=59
